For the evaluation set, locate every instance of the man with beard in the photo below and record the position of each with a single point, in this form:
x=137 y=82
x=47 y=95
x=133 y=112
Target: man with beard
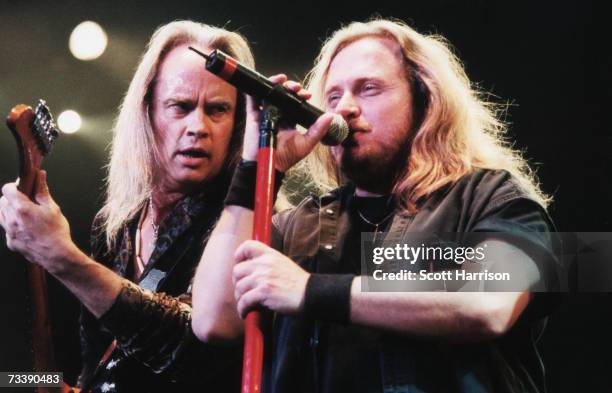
x=425 y=155
x=176 y=141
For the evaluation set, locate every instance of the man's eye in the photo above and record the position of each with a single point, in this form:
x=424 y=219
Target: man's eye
x=181 y=107
x=332 y=99
x=370 y=87
x=220 y=109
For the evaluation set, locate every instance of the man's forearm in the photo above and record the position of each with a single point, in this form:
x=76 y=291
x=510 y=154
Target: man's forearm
x=93 y=284
x=461 y=316
x=214 y=312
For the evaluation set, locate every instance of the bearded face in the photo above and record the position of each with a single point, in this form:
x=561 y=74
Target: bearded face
x=367 y=85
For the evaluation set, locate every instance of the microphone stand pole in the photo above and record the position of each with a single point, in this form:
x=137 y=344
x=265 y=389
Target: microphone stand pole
x=252 y=363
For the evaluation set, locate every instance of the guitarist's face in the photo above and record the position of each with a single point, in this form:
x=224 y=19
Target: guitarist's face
x=192 y=114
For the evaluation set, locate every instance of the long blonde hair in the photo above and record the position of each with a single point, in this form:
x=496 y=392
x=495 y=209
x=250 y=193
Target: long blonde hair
x=460 y=130
x=133 y=148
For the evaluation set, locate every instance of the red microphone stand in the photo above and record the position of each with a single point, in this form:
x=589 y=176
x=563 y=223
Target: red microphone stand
x=252 y=363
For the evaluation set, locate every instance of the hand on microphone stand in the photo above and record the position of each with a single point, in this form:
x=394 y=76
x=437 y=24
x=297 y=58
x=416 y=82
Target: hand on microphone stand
x=292 y=145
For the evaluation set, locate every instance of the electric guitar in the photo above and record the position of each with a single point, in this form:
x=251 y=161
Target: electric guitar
x=35 y=133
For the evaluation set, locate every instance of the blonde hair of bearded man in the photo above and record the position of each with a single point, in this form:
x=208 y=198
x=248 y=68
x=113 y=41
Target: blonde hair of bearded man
x=460 y=130
x=133 y=148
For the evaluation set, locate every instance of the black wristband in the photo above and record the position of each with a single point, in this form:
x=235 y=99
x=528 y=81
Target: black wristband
x=242 y=189
x=328 y=297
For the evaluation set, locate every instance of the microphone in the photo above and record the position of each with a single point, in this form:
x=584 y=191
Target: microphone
x=257 y=85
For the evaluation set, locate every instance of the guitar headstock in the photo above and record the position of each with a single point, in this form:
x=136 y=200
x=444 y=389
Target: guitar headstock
x=44 y=127
x=38 y=123
x=35 y=133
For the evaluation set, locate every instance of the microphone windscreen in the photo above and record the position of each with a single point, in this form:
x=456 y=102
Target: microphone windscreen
x=337 y=132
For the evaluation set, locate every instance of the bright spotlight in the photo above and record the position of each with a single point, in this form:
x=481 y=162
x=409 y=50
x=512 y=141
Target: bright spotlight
x=87 y=41
x=69 y=121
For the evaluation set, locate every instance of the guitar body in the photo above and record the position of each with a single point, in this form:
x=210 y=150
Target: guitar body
x=35 y=132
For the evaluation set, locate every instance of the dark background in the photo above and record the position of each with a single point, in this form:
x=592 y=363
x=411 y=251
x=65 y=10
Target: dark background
x=550 y=60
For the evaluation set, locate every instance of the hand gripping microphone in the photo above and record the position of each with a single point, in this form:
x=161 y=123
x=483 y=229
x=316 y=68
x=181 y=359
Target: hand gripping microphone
x=257 y=85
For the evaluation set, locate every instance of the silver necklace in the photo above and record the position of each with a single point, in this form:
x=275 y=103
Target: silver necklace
x=375 y=224
x=153 y=225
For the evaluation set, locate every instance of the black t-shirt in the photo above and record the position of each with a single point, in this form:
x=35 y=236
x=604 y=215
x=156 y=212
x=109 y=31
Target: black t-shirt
x=350 y=354
x=324 y=236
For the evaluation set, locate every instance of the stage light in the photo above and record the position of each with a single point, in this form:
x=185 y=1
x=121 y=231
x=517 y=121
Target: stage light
x=87 y=41
x=69 y=121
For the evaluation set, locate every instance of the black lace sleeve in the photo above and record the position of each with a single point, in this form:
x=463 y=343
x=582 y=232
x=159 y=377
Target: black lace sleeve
x=151 y=327
x=155 y=329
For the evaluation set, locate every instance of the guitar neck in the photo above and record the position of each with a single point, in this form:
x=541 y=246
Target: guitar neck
x=35 y=132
